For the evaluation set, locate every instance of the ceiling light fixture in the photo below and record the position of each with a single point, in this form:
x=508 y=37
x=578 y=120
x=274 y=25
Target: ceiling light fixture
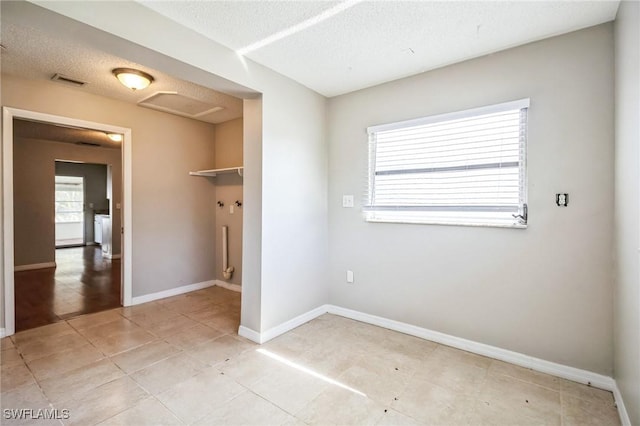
x=133 y=79
x=314 y=20
x=116 y=137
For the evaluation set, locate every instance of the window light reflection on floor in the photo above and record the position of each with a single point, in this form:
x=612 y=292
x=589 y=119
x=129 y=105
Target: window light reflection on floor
x=308 y=371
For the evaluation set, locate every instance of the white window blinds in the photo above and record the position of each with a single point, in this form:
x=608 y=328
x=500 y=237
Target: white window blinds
x=464 y=168
x=69 y=199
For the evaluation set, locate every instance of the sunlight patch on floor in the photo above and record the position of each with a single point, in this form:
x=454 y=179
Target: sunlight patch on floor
x=308 y=371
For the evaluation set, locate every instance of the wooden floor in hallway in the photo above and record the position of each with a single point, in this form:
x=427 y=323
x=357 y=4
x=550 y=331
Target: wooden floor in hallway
x=83 y=282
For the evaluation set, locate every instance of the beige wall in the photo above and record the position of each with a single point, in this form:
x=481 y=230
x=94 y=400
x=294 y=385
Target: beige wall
x=173 y=216
x=285 y=150
x=545 y=291
x=626 y=367
x=34 y=170
x=285 y=243
x=228 y=151
x=228 y=148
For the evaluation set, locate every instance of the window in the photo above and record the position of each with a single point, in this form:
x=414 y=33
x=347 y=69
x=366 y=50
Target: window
x=462 y=168
x=69 y=199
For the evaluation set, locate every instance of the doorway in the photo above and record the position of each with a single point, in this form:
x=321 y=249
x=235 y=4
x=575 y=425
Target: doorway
x=123 y=207
x=86 y=273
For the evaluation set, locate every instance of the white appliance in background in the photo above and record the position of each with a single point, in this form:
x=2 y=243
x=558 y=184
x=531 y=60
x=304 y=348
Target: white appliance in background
x=97 y=228
x=102 y=232
x=106 y=236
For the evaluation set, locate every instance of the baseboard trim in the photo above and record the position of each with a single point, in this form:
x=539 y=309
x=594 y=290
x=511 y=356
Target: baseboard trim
x=3 y=333
x=293 y=323
x=171 y=292
x=537 y=364
x=111 y=256
x=250 y=334
x=622 y=410
x=282 y=328
x=228 y=286
x=559 y=370
x=33 y=266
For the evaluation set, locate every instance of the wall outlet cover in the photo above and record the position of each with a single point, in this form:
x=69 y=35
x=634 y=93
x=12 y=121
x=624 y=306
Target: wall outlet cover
x=562 y=199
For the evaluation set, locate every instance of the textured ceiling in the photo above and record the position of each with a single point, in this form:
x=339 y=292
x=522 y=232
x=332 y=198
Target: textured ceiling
x=372 y=42
x=32 y=54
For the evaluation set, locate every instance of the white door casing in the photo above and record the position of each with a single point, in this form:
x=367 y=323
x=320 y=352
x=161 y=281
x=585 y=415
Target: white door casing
x=6 y=203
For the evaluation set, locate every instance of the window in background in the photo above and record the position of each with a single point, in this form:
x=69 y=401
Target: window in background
x=461 y=168
x=69 y=210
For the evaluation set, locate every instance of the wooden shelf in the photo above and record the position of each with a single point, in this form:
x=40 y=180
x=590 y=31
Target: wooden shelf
x=215 y=172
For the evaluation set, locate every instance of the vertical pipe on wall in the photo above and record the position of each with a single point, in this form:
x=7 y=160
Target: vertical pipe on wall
x=226 y=269
x=225 y=259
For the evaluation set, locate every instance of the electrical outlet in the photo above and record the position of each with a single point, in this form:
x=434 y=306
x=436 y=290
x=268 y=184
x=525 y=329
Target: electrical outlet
x=350 y=277
x=562 y=200
x=347 y=201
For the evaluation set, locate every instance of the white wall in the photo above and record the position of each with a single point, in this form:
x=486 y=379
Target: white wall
x=288 y=269
x=627 y=228
x=251 y=315
x=544 y=291
x=68 y=231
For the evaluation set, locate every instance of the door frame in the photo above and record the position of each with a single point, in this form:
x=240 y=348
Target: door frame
x=6 y=203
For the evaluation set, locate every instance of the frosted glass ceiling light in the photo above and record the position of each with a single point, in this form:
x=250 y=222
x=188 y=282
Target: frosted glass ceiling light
x=116 y=137
x=133 y=79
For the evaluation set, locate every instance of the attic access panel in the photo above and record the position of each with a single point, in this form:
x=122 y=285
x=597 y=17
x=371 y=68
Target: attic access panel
x=175 y=103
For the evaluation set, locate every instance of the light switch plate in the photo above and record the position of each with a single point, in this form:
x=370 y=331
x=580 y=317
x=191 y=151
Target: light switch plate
x=347 y=201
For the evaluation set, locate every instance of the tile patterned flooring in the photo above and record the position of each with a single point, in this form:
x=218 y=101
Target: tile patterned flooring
x=83 y=282
x=179 y=361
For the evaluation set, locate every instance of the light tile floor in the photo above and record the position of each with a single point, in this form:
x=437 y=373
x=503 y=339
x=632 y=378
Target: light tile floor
x=179 y=361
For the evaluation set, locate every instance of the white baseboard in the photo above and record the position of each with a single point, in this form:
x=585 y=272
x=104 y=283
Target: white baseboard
x=3 y=333
x=34 y=266
x=622 y=410
x=171 y=292
x=282 y=328
x=250 y=334
x=537 y=364
x=228 y=286
x=559 y=370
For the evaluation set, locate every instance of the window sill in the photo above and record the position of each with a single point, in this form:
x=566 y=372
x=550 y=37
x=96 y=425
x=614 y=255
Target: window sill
x=473 y=225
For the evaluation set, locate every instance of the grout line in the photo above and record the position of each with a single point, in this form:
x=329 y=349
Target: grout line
x=220 y=364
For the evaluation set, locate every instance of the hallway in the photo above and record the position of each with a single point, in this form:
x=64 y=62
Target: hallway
x=83 y=282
